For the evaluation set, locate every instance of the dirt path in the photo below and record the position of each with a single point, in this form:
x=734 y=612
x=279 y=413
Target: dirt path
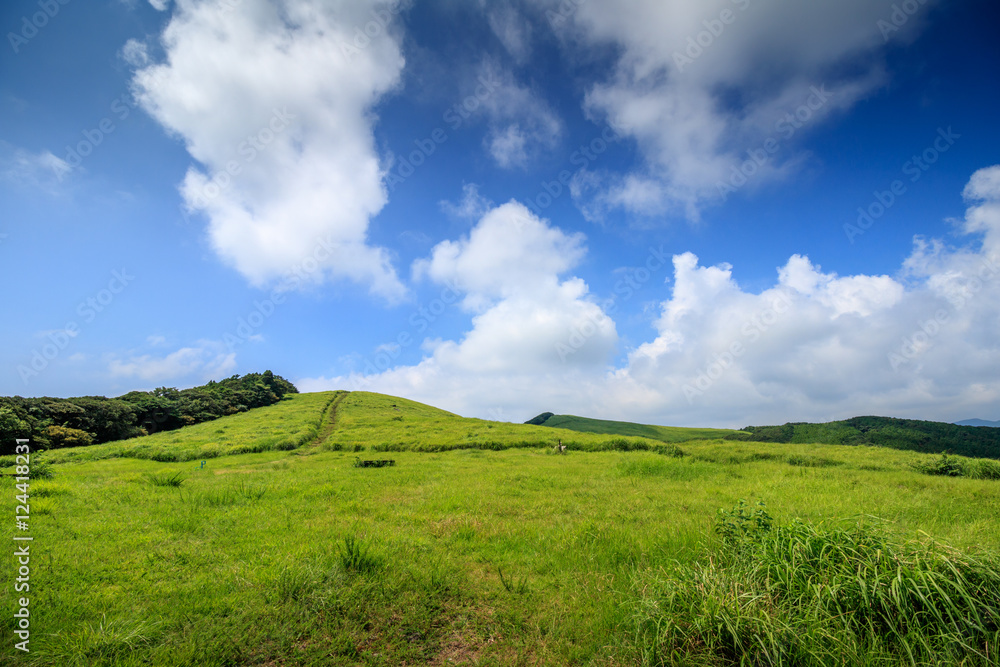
x=329 y=421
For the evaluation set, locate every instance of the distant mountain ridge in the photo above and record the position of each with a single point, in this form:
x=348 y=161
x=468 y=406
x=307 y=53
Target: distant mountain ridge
x=910 y=434
x=978 y=422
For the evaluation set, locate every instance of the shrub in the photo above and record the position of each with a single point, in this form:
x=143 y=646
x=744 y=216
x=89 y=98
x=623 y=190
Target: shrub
x=668 y=450
x=63 y=436
x=41 y=470
x=947 y=466
x=741 y=523
x=623 y=445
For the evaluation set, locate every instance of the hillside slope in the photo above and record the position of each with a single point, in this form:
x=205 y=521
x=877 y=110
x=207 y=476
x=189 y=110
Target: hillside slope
x=299 y=558
x=292 y=422
x=909 y=434
x=386 y=423
x=609 y=427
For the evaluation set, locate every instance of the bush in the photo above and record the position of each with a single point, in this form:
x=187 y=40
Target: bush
x=62 y=436
x=623 y=445
x=41 y=470
x=947 y=466
x=741 y=524
x=668 y=450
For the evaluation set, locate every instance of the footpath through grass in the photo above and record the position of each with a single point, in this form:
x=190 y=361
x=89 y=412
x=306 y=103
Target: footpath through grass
x=521 y=556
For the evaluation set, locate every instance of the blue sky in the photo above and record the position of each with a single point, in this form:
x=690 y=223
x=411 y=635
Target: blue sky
x=504 y=207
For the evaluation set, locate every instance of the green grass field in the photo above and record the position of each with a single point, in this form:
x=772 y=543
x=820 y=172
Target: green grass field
x=285 y=425
x=495 y=550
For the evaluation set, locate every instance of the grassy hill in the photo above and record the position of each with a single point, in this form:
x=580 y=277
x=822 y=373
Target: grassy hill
x=386 y=424
x=608 y=427
x=292 y=422
x=481 y=545
x=909 y=434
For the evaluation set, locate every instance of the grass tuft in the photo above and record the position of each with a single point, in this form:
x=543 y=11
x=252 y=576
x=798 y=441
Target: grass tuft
x=959 y=466
x=799 y=594
x=164 y=479
x=357 y=557
x=511 y=585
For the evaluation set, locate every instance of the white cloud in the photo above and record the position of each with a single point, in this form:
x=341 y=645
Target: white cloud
x=511 y=28
x=472 y=206
x=135 y=53
x=521 y=124
x=159 y=5
x=814 y=346
x=509 y=253
x=41 y=170
x=207 y=360
x=699 y=84
x=528 y=322
x=508 y=146
x=274 y=100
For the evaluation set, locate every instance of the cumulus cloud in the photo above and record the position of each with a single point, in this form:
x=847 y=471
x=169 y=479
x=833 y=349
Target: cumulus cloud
x=204 y=361
x=699 y=85
x=274 y=101
x=472 y=205
x=521 y=124
x=527 y=320
x=510 y=252
x=813 y=346
x=135 y=53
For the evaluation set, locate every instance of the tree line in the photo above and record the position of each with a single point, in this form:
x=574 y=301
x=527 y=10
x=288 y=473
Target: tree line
x=911 y=434
x=51 y=423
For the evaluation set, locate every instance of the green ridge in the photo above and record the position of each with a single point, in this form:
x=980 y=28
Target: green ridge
x=608 y=427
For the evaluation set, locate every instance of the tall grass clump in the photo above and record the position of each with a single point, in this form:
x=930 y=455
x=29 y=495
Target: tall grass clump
x=957 y=466
x=801 y=594
x=356 y=556
x=164 y=479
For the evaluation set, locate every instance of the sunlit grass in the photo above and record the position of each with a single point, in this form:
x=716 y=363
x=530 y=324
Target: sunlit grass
x=501 y=557
x=293 y=421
